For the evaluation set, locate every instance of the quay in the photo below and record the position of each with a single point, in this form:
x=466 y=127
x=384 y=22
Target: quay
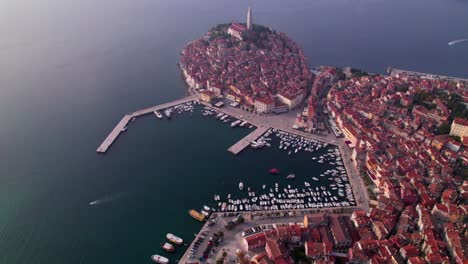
x=245 y=142
x=124 y=121
x=394 y=72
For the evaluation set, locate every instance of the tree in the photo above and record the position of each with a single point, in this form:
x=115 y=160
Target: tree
x=443 y=129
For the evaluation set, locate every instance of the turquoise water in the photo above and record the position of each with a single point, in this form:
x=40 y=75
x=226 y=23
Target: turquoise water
x=69 y=70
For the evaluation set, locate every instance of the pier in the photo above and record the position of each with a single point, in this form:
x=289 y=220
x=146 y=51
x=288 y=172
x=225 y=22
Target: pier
x=124 y=121
x=245 y=142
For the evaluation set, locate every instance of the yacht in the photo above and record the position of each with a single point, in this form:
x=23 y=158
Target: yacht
x=241 y=186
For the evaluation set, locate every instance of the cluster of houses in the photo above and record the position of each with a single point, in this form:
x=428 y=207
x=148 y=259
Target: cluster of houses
x=324 y=237
x=268 y=74
x=419 y=215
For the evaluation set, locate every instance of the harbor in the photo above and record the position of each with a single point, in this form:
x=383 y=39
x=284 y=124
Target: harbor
x=287 y=189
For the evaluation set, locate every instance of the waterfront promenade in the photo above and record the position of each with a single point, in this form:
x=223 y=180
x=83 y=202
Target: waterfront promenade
x=394 y=72
x=124 y=121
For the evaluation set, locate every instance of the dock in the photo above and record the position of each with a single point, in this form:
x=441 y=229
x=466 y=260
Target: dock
x=124 y=121
x=243 y=143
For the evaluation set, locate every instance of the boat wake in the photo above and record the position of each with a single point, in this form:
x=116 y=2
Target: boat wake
x=106 y=199
x=451 y=43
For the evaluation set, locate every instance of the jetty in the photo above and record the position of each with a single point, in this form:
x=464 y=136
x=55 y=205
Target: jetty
x=243 y=143
x=124 y=121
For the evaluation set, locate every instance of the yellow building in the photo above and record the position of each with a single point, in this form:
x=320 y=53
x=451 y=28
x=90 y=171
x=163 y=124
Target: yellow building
x=207 y=96
x=459 y=128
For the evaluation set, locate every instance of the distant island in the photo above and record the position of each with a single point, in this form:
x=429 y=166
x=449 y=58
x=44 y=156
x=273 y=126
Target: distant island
x=252 y=65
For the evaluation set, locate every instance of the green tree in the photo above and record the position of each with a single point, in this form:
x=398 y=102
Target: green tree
x=443 y=129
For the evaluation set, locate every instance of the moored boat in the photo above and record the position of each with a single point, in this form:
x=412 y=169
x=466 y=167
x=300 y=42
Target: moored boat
x=167 y=112
x=159 y=259
x=235 y=123
x=158 y=114
x=199 y=216
x=241 y=186
x=174 y=239
x=168 y=247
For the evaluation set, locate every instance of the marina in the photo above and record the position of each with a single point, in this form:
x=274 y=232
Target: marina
x=284 y=190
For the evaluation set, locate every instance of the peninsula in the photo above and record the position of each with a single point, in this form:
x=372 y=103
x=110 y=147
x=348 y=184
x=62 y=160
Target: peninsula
x=262 y=70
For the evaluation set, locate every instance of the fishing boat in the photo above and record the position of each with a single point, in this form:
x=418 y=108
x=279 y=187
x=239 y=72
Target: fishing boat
x=199 y=216
x=274 y=171
x=159 y=259
x=168 y=247
x=174 y=239
x=158 y=114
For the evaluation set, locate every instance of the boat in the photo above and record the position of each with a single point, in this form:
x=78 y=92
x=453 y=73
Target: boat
x=291 y=176
x=315 y=178
x=199 y=216
x=205 y=213
x=168 y=247
x=158 y=114
x=167 y=112
x=159 y=259
x=274 y=171
x=206 y=208
x=235 y=123
x=241 y=186
x=174 y=239
x=124 y=129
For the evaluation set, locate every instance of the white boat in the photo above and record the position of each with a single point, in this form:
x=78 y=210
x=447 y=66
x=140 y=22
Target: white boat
x=124 y=129
x=315 y=179
x=290 y=176
x=235 y=123
x=206 y=208
x=158 y=114
x=159 y=259
x=167 y=112
x=243 y=123
x=241 y=186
